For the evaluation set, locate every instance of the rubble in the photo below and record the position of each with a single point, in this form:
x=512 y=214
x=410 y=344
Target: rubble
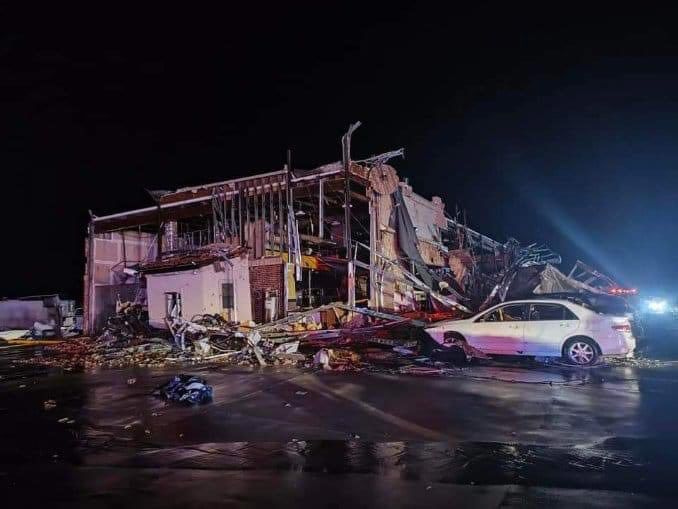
x=333 y=337
x=129 y=320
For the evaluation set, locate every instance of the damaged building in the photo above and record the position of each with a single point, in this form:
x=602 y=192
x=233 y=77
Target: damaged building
x=259 y=247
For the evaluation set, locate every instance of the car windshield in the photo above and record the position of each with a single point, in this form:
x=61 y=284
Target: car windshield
x=509 y=313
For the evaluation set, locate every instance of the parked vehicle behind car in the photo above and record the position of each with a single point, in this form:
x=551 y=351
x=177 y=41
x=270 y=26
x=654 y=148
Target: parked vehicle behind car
x=541 y=328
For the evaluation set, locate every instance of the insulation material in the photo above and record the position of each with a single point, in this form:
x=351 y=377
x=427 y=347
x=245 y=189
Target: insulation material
x=291 y=282
x=431 y=253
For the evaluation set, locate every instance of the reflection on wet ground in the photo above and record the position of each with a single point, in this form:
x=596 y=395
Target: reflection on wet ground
x=508 y=424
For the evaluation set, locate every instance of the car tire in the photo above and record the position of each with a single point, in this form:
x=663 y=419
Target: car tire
x=581 y=351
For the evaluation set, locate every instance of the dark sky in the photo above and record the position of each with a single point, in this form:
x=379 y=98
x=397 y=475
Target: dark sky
x=557 y=126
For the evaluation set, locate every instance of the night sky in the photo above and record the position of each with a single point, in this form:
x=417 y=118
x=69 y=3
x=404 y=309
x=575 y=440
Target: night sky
x=555 y=126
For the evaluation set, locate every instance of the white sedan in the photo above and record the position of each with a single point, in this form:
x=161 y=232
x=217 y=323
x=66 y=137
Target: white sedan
x=541 y=328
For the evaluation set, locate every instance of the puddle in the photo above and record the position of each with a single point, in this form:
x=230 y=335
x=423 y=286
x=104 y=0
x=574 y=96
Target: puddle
x=620 y=464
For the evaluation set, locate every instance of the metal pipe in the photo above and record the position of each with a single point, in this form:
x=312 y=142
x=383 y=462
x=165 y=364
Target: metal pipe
x=346 y=159
x=271 y=236
x=290 y=208
x=158 y=253
x=281 y=245
x=321 y=209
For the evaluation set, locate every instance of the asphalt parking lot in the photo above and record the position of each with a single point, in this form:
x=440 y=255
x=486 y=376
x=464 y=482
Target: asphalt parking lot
x=497 y=434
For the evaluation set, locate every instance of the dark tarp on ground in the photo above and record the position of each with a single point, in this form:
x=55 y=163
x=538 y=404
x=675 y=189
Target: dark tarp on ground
x=186 y=389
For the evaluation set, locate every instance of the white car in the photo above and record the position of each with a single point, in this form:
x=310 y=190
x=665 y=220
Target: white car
x=541 y=328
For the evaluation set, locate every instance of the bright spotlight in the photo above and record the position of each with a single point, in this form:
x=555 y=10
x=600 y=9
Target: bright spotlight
x=657 y=305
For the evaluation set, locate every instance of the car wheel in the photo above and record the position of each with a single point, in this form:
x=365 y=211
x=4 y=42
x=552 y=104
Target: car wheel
x=581 y=351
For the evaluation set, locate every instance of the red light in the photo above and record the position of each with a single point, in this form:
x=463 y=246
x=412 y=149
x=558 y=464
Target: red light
x=623 y=291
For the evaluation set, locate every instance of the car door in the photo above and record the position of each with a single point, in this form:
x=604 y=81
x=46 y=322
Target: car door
x=546 y=328
x=500 y=331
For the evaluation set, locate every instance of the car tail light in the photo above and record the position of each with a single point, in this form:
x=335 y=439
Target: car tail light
x=622 y=327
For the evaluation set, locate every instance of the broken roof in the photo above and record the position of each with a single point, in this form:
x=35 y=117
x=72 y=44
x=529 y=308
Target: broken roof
x=196 y=200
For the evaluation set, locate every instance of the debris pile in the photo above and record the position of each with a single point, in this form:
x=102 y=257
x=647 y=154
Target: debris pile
x=103 y=352
x=130 y=320
x=331 y=337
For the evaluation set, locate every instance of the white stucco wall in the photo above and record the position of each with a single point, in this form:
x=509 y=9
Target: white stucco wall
x=200 y=291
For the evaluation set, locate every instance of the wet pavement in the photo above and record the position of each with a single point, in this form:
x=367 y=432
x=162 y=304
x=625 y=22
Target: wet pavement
x=503 y=434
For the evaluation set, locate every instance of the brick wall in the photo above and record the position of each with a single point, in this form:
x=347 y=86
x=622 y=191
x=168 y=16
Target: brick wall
x=266 y=274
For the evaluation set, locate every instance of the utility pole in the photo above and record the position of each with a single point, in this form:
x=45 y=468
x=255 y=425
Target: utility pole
x=346 y=159
x=157 y=196
x=290 y=208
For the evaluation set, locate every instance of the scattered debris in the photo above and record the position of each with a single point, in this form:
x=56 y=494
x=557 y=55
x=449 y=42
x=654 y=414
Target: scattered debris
x=39 y=317
x=185 y=389
x=131 y=381
x=130 y=320
x=322 y=358
x=50 y=404
x=333 y=337
x=403 y=351
x=43 y=330
x=291 y=347
x=9 y=335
